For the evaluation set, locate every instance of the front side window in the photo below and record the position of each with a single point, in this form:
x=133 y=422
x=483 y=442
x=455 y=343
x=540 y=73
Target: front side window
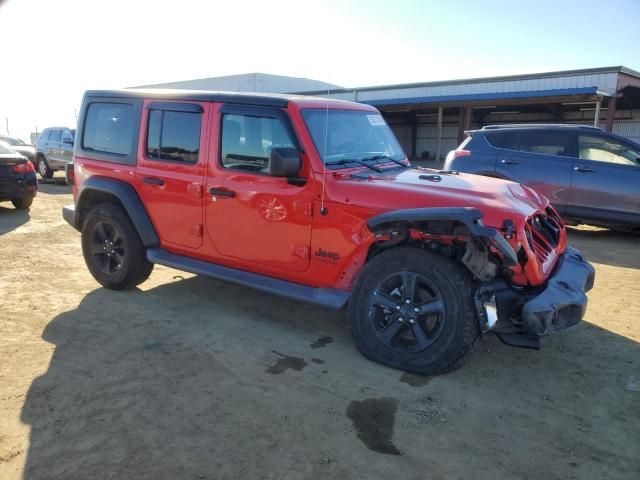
x=174 y=135
x=350 y=135
x=602 y=149
x=247 y=141
x=109 y=128
x=66 y=135
x=55 y=135
x=546 y=143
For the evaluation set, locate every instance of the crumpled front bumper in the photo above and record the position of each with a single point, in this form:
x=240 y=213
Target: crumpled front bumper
x=563 y=302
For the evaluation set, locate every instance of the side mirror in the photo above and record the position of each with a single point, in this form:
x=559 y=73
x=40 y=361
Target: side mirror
x=637 y=159
x=284 y=162
x=68 y=141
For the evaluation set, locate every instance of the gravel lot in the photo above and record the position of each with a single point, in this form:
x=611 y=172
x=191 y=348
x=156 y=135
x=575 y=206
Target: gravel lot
x=192 y=378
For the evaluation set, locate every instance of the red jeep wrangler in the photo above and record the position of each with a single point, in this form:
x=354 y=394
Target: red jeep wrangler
x=314 y=200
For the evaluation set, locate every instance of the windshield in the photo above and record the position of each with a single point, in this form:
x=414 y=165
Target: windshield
x=14 y=142
x=4 y=149
x=350 y=134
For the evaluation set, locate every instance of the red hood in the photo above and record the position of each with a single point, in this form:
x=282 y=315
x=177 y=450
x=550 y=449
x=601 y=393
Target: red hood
x=397 y=189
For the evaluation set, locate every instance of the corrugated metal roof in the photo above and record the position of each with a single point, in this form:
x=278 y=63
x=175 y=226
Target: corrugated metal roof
x=503 y=78
x=481 y=96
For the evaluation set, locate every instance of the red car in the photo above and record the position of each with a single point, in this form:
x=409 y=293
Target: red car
x=314 y=200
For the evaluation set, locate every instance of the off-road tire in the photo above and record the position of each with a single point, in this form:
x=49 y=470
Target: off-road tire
x=22 y=203
x=134 y=267
x=43 y=167
x=458 y=333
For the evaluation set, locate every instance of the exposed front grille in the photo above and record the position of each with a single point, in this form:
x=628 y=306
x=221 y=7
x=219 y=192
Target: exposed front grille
x=543 y=233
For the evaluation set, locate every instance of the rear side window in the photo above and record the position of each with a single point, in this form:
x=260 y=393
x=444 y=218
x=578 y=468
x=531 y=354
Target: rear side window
x=546 y=143
x=109 y=128
x=55 y=135
x=497 y=140
x=174 y=135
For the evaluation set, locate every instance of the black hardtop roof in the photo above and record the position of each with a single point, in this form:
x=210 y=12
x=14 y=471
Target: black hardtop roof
x=245 y=98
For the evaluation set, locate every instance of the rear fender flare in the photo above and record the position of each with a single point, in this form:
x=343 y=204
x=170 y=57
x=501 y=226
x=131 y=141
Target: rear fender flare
x=468 y=216
x=129 y=199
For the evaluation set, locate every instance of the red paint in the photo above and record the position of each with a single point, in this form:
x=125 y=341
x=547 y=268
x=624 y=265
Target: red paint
x=275 y=228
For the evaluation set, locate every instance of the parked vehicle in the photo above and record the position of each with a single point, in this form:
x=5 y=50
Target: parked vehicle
x=314 y=200
x=54 y=149
x=19 y=146
x=17 y=179
x=590 y=176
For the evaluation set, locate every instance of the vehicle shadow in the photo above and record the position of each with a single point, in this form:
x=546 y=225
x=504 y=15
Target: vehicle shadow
x=11 y=218
x=54 y=186
x=185 y=381
x=609 y=247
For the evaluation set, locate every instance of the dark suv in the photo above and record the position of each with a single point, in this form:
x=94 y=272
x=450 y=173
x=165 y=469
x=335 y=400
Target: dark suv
x=588 y=175
x=54 y=149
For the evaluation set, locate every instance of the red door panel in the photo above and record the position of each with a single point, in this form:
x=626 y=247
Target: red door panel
x=255 y=217
x=173 y=189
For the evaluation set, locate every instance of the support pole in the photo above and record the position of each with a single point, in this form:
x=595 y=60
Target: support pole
x=596 y=117
x=439 y=134
x=464 y=122
x=414 y=137
x=611 y=111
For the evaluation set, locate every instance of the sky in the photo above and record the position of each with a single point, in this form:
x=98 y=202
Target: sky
x=52 y=51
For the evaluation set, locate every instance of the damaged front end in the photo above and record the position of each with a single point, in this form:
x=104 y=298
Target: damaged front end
x=532 y=284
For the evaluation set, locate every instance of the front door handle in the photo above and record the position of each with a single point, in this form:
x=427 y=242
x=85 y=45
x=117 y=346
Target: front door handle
x=582 y=168
x=153 y=181
x=221 y=192
x=509 y=162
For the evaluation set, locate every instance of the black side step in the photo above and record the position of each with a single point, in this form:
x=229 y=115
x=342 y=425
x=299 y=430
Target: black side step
x=325 y=297
x=518 y=340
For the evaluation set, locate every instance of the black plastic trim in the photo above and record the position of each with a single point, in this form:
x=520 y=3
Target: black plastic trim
x=266 y=100
x=563 y=302
x=325 y=297
x=129 y=200
x=470 y=217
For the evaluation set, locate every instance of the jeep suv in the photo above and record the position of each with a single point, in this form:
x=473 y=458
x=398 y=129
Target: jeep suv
x=54 y=149
x=590 y=176
x=314 y=200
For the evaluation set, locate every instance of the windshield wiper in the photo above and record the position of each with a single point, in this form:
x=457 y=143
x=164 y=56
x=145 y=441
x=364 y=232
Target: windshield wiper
x=346 y=161
x=386 y=157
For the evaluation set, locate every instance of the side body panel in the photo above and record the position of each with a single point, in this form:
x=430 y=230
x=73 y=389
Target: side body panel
x=173 y=190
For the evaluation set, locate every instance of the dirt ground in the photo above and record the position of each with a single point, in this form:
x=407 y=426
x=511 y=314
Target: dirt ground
x=192 y=378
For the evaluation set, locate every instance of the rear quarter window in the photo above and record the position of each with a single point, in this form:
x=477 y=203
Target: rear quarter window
x=109 y=128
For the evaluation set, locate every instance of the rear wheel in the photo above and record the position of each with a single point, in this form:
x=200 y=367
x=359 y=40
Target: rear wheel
x=22 y=203
x=112 y=248
x=414 y=310
x=43 y=168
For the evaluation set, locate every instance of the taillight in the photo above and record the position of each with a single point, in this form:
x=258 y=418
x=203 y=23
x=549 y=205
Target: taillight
x=23 y=167
x=70 y=173
x=460 y=153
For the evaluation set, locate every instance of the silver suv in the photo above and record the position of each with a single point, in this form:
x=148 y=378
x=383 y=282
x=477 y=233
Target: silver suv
x=54 y=149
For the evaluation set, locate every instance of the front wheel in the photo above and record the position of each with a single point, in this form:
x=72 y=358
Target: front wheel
x=112 y=248
x=414 y=310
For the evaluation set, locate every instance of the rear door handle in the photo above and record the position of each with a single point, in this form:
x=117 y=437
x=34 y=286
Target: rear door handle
x=153 y=181
x=582 y=168
x=509 y=162
x=221 y=192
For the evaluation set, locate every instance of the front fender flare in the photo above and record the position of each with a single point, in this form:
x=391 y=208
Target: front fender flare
x=468 y=216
